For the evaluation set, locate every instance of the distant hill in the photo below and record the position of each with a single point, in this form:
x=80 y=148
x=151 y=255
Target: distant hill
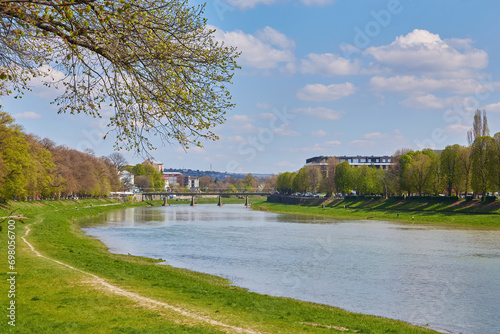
x=214 y=175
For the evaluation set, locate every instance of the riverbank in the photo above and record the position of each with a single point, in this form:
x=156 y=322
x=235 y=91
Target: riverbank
x=440 y=211
x=77 y=286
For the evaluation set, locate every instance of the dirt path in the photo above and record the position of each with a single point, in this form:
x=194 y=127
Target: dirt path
x=141 y=300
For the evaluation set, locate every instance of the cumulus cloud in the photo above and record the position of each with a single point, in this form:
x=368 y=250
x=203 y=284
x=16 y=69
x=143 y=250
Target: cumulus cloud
x=430 y=101
x=413 y=85
x=263 y=105
x=494 y=107
x=317 y=2
x=240 y=118
x=328 y=64
x=321 y=112
x=375 y=135
x=424 y=51
x=274 y=37
x=246 y=4
x=238 y=139
x=456 y=129
x=267 y=49
x=27 y=115
x=319 y=92
x=318 y=133
x=383 y=141
x=286 y=132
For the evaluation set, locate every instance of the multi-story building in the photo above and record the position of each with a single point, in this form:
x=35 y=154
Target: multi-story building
x=379 y=161
x=173 y=179
x=181 y=180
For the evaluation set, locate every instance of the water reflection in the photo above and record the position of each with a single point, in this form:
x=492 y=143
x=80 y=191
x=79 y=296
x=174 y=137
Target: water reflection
x=448 y=278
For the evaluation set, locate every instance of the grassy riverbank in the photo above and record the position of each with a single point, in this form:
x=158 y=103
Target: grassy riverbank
x=54 y=298
x=474 y=214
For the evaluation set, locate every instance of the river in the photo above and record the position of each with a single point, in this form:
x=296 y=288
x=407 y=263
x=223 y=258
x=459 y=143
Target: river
x=446 y=278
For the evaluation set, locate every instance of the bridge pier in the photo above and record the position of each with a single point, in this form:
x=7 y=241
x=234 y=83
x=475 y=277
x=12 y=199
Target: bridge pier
x=192 y=201
x=165 y=201
x=246 y=201
x=220 y=201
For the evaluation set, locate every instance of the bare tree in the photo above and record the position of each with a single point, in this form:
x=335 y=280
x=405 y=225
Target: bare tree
x=118 y=160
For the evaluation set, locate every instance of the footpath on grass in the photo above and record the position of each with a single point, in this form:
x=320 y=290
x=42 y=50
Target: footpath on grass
x=67 y=282
x=435 y=210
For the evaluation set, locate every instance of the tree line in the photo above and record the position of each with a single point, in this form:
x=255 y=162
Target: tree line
x=455 y=171
x=33 y=168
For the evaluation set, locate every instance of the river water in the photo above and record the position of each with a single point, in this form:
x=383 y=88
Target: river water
x=448 y=279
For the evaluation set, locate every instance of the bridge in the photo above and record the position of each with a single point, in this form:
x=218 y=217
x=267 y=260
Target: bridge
x=165 y=196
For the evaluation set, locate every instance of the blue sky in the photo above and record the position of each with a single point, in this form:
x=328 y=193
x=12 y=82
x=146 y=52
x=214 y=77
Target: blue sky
x=326 y=77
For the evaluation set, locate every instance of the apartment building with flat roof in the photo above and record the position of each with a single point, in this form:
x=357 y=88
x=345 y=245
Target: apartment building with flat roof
x=377 y=161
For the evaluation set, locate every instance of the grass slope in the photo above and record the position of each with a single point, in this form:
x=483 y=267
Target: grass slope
x=441 y=211
x=51 y=298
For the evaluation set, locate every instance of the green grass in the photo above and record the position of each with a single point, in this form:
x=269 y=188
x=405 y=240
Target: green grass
x=55 y=299
x=449 y=212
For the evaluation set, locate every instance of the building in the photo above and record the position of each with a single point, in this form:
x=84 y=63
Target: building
x=192 y=182
x=156 y=165
x=181 y=180
x=380 y=161
x=173 y=179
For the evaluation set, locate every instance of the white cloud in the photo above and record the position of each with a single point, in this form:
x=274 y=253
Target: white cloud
x=286 y=132
x=375 y=135
x=241 y=118
x=430 y=101
x=316 y=2
x=27 y=115
x=494 y=107
x=328 y=64
x=267 y=115
x=274 y=37
x=51 y=76
x=244 y=128
x=267 y=49
x=318 y=133
x=319 y=92
x=457 y=129
x=246 y=4
x=424 y=51
x=333 y=143
x=381 y=141
x=412 y=85
x=321 y=112
x=263 y=105
x=238 y=139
